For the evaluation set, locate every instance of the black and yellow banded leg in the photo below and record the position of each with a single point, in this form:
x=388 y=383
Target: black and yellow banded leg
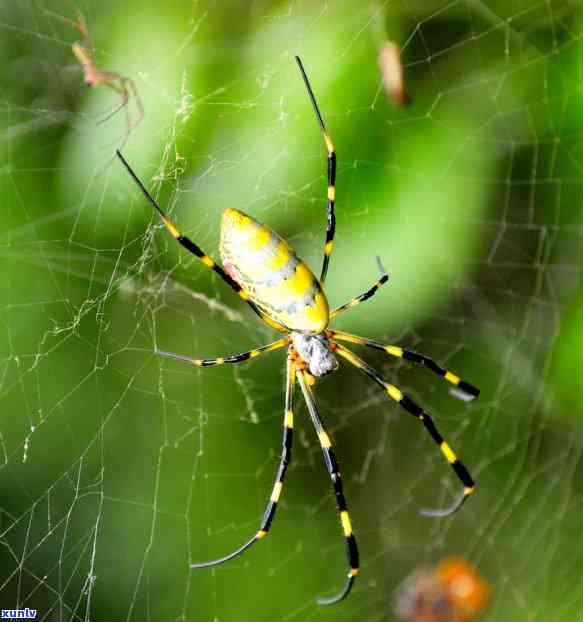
x=286 y=452
x=466 y=391
x=221 y=360
x=332 y=466
x=331 y=192
x=366 y=295
x=412 y=408
x=193 y=248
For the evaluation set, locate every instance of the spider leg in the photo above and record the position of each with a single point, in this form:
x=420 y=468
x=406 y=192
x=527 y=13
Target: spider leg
x=236 y=358
x=123 y=86
x=465 y=390
x=115 y=82
x=121 y=89
x=134 y=91
x=367 y=294
x=286 y=452
x=80 y=25
x=332 y=466
x=193 y=248
x=412 y=408
x=331 y=194
x=129 y=126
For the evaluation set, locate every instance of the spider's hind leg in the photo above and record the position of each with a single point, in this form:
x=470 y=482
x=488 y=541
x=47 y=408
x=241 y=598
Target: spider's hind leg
x=333 y=470
x=286 y=451
x=414 y=409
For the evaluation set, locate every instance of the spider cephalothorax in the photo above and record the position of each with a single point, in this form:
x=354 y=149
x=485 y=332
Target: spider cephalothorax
x=316 y=351
x=269 y=276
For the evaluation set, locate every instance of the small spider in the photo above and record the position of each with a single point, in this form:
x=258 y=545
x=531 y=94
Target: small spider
x=94 y=77
x=268 y=275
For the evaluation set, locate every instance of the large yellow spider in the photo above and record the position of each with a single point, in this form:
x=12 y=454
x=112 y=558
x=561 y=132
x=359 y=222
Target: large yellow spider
x=268 y=275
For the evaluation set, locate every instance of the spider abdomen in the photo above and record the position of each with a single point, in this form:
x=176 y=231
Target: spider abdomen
x=269 y=270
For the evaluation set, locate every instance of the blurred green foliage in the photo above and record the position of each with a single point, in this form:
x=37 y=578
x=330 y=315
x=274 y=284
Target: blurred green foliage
x=121 y=468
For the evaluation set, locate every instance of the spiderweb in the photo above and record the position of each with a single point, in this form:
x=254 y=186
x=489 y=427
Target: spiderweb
x=118 y=468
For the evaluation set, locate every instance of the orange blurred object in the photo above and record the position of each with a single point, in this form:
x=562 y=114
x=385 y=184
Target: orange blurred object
x=452 y=591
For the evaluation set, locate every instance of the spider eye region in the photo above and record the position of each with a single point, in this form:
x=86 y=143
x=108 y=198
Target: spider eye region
x=315 y=350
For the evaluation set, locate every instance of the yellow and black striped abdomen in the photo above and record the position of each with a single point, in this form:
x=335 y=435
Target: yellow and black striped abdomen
x=269 y=270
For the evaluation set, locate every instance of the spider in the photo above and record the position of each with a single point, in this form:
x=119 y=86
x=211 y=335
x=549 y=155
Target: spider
x=268 y=275
x=94 y=77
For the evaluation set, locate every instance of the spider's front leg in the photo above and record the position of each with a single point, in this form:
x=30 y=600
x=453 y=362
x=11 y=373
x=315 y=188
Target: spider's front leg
x=331 y=170
x=194 y=248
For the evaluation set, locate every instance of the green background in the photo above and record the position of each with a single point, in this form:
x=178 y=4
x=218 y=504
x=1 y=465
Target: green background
x=118 y=468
